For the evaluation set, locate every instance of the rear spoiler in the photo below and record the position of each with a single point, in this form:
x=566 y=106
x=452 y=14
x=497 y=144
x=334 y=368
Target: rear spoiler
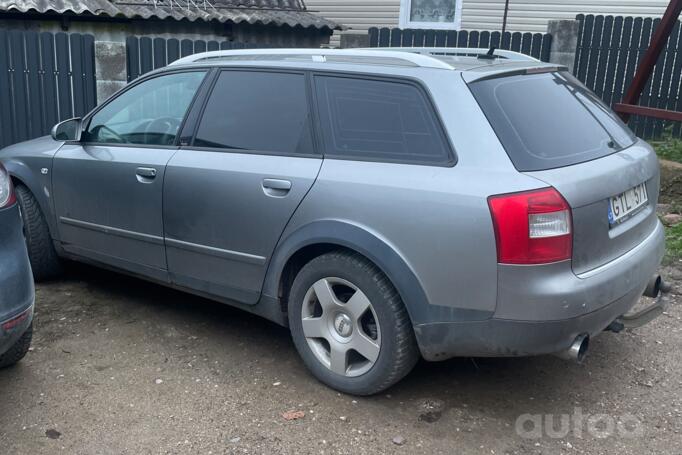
x=509 y=69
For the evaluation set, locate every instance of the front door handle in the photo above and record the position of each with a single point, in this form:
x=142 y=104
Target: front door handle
x=276 y=187
x=145 y=174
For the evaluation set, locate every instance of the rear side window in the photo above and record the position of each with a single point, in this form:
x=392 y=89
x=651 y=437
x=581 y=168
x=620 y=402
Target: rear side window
x=550 y=120
x=257 y=111
x=379 y=120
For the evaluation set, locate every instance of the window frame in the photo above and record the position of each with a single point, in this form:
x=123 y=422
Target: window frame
x=405 y=21
x=451 y=160
x=201 y=110
x=85 y=122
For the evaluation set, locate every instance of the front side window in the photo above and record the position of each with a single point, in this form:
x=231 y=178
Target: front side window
x=258 y=112
x=433 y=14
x=379 y=120
x=150 y=113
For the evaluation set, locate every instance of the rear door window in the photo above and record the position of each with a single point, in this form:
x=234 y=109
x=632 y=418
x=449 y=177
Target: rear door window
x=379 y=121
x=258 y=112
x=550 y=120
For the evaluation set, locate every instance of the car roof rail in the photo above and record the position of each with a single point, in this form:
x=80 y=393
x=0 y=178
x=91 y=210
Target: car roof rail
x=463 y=52
x=392 y=56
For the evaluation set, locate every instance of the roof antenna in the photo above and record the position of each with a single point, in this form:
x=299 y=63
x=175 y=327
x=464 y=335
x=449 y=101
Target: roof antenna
x=490 y=55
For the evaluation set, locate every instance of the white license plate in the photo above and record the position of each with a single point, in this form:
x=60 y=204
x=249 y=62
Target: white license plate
x=626 y=204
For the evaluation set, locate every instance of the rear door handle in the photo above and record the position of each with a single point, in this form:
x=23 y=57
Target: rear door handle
x=146 y=173
x=276 y=187
x=277 y=184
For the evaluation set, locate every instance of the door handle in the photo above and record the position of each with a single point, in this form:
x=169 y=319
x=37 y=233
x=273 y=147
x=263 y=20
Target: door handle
x=277 y=184
x=147 y=173
x=276 y=187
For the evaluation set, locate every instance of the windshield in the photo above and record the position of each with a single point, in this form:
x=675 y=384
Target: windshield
x=550 y=120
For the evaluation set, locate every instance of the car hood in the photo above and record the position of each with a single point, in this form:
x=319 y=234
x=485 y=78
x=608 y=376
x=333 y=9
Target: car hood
x=43 y=146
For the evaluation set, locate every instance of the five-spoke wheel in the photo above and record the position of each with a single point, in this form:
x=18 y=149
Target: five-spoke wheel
x=349 y=324
x=341 y=326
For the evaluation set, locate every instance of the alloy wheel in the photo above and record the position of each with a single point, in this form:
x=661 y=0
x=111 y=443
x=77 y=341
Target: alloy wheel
x=341 y=326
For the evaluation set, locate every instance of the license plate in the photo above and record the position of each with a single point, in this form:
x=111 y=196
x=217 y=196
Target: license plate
x=626 y=204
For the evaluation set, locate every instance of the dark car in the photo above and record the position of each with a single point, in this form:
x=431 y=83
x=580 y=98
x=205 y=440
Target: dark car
x=16 y=282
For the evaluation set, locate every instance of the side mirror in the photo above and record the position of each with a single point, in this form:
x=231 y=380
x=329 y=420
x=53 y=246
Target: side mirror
x=68 y=130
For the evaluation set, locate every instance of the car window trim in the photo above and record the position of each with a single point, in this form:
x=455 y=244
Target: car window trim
x=219 y=70
x=428 y=97
x=153 y=75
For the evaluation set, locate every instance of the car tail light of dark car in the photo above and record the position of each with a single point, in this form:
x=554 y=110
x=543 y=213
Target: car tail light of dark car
x=532 y=227
x=6 y=190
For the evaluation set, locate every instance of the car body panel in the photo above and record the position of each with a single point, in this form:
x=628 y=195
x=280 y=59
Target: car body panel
x=30 y=162
x=222 y=224
x=105 y=210
x=432 y=217
x=17 y=294
x=587 y=188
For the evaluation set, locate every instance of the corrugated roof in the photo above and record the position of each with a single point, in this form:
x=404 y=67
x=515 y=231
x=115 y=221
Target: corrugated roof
x=267 y=12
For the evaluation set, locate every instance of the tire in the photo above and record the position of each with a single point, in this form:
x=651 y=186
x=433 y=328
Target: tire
x=382 y=332
x=44 y=260
x=18 y=349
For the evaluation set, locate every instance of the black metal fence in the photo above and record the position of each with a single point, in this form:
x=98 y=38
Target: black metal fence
x=44 y=78
x=537 y=45
x=147 y=54
x=609 y=51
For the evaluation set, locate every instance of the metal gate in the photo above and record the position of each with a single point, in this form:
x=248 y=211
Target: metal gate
x=44 y=78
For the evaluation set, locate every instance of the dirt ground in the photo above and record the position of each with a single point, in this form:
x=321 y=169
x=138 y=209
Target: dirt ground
x=121 y=366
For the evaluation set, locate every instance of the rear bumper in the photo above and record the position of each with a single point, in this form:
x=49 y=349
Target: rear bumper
x=16 y=281
x=541 y=310
x=19 y=324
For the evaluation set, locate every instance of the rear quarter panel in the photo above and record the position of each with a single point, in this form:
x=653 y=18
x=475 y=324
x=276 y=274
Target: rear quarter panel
x=435 y=218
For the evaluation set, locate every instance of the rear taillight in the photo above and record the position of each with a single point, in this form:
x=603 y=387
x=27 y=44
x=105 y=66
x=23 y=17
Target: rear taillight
x=6 y=190
x=532 y=227
x=12 y=323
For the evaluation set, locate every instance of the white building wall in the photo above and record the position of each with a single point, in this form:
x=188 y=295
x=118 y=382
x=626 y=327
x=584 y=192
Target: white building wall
x=533 y=15
x=524 y=15
x=358 y=15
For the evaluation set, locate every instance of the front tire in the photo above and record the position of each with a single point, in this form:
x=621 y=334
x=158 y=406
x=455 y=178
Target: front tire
x=349 y=324
x=18 y=350
x=44 y=260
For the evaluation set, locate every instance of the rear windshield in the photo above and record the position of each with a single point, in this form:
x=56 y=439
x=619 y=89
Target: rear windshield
x=550 y=120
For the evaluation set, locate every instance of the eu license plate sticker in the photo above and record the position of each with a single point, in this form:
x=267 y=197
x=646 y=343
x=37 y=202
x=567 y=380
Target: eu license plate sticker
x=624 y=205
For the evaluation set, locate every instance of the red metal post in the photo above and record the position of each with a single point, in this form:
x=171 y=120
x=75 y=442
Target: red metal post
x=646 y=66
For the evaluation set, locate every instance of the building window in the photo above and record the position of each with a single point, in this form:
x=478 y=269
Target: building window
x=433 y=14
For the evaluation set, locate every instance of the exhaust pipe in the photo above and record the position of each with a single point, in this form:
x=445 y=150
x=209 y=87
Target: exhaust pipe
x=578 y=349
x=653 y=288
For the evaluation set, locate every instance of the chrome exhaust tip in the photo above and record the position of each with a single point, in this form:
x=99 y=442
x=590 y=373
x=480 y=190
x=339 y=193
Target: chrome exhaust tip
x=578 y=349
x=653 y=288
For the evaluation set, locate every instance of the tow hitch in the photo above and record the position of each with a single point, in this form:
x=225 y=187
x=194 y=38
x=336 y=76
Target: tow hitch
x=655 y=289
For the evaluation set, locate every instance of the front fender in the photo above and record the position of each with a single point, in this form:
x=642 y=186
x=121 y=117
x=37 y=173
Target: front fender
x=359 y=239
x=25 y=162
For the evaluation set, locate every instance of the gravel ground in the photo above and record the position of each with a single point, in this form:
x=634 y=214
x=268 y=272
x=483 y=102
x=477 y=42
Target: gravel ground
x=123 y=366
